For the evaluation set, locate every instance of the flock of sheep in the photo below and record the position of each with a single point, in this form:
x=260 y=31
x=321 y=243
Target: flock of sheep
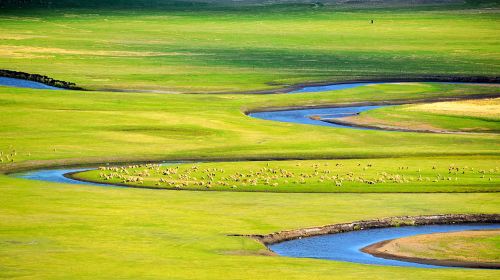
x=196 y=177
x=8 y=157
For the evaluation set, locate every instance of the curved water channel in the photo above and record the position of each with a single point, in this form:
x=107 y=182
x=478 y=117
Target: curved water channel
x=303 y=116
x=56 y=176
x=340 y=247
x=347 y=246
x=332 y=87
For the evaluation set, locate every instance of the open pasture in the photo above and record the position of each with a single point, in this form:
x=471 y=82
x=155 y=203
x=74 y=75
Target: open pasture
x=253 y=48
x=271 y=176
x=91 y=127
x=58 y=231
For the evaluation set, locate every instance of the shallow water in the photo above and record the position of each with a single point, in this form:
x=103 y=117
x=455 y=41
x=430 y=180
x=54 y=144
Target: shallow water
x=302 y=116
x=332 y=87
x=346 y=246
x=13 y=82
x=55 y=175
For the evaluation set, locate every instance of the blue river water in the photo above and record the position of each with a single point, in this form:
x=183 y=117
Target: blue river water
x=56 y=176
x=331 y=87
x=347 y=246
x=13 y=82
x=302 y=116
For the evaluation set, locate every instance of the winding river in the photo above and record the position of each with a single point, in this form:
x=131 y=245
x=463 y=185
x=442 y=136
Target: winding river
x=303 y=116
x=347 y=246
x=339 y=247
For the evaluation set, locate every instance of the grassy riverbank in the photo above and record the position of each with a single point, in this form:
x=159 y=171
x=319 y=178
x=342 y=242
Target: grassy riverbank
x=252 y=48
x=480 y=116
x=475 y=248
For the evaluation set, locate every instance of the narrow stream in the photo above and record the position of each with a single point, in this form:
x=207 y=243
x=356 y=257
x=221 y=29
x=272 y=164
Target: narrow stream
x=56 y=176
x=333 y=87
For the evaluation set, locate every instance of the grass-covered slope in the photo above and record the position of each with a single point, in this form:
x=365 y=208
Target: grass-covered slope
x=249 y=48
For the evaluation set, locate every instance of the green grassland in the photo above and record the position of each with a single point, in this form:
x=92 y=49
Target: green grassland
x=257 y=48
x=105 y=127
x=373 y=175
x=59 y=231
x=55 y=231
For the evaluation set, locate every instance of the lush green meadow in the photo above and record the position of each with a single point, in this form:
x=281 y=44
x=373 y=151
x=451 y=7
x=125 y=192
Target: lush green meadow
x=247 y=49
x=60 y=231
x=75 y=127
x=55 y=231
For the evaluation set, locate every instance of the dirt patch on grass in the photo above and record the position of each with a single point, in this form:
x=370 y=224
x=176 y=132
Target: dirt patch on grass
x=392 y=125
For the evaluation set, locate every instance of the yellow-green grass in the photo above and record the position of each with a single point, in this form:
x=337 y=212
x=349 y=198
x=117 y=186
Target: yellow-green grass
x=487 y=108
x=247 y=49
x=373 y=175
x=101 y=127
x=56 y=231
x=466 y=116
x=480 y=246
